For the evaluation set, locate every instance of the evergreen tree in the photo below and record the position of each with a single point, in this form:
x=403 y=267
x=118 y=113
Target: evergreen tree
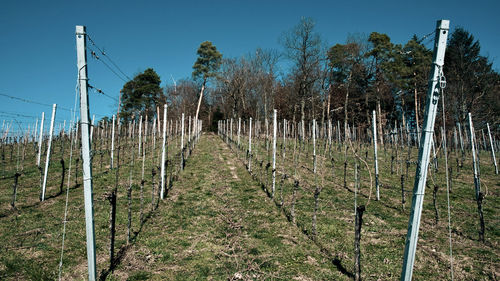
x=140 y=95
x=470 y=78
x=206 y=66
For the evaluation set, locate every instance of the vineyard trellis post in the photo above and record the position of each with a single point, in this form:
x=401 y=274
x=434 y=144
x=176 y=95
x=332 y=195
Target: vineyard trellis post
x=140 y=135
x=87 y=165
x=91 y=128
x=477 y=183
x=163 y=150
x=182 y=142
x=375 y=160
x=40 y=140
x=239 y=131
x=47 y=161
x=231 y=130
x=432 y=99
x=314 y=145
x=461 y=138
x=250 y=145
x=112 y=141
x=274 y=151
x=492 y=149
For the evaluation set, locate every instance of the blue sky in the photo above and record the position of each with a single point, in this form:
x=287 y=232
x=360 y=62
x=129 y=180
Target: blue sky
x=38 y=55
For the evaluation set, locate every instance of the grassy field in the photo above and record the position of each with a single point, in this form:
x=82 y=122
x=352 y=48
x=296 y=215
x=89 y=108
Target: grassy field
x=218 y=223
x=31 y=234
x=385 y=221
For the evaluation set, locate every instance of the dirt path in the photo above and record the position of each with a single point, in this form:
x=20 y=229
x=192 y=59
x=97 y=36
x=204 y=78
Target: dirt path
x=217 y=224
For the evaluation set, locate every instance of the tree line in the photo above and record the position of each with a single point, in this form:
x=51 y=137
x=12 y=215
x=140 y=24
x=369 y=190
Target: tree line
x=345 y=82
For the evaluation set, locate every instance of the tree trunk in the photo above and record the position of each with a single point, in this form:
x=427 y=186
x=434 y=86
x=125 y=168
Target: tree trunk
x=199 y=100
x=302 y=117
x=415 y=94
x=381 y=136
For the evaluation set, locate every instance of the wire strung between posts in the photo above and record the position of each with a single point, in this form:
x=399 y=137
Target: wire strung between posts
x=95 y=56
x=69 y=176
x=425 y=37
x=34 y=102
x=442 y=85
x=106 y=55
x=101 y=92
x=38 y=103
x=12 y=114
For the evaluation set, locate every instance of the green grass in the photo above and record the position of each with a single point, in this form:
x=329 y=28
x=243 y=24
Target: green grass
x=31 y=235
x=385 y=223
x=217 y=223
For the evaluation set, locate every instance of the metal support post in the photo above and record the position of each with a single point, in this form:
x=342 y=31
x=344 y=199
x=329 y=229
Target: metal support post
x=424 y=150
x=47 y=160
x=87 y=164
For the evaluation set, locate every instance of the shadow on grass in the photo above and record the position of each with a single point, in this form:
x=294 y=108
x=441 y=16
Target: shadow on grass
x=133 y=239
x=336 y=261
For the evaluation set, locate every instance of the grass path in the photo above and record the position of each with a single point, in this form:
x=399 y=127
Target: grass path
x=217 y=224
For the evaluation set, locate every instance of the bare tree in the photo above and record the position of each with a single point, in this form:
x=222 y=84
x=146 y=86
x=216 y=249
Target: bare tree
x=303 y=47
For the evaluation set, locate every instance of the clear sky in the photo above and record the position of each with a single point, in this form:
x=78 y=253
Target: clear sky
x=38 y=52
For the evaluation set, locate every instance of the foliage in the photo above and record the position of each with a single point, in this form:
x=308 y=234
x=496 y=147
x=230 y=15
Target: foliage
x=208 y=62
x=141 y=95
x=303 y=47
x=471 y=79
